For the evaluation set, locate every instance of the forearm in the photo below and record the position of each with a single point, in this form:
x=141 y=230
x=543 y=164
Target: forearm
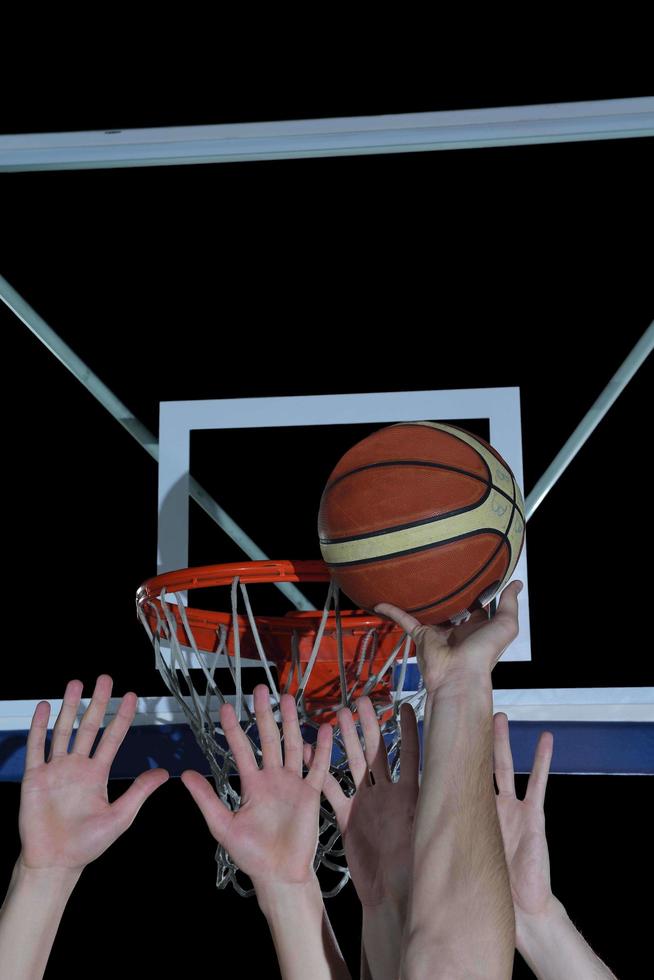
x=554 y=949
x=301 y=931
x=30 y=917
x=460 y=920
x=383 y=925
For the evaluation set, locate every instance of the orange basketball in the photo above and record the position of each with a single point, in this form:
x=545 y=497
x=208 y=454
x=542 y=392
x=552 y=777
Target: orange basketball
x=423 y=515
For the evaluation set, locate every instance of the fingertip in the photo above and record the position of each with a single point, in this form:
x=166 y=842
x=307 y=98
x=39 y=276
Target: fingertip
x=162 y=776
x=227 y=709
x=364 y=700
x=288 y=702
x=188 y=777
x=324 y=741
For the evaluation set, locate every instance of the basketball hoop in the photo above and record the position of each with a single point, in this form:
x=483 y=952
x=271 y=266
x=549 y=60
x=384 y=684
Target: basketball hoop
x=325 y=659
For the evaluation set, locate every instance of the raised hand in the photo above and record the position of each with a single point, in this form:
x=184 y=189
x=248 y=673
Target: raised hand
x=522 y=822
x=65 y=819
x=377 y=821
x=457 y=652
x=274 y=834
x=545 y=935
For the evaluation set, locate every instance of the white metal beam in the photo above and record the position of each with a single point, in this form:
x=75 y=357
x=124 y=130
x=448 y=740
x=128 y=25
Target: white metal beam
x=411 y=132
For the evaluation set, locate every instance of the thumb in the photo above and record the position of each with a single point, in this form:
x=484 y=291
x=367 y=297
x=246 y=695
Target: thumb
x=128 y=805
x=499 y=632
x=218 y=816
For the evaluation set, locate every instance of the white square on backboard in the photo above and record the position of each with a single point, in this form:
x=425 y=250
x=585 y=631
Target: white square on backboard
x=501 y=406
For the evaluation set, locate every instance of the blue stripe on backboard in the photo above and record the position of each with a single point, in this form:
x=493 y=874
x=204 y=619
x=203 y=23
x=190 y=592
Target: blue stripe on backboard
x=412 y=679
x=579 y=747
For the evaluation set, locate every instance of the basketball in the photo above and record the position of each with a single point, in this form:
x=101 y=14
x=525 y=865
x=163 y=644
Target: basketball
x=424 y=515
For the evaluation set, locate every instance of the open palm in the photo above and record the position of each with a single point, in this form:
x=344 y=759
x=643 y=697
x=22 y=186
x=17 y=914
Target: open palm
x=522 y=822
x=274 y=834
x=377 y=821
x=65 y=818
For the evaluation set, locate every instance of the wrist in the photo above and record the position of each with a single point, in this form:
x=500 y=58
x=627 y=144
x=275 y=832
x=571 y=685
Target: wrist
x=385 y=917
x=386 y=906
x=470 y=683
x=533 y=925
x=276 y=898
x=49 y=881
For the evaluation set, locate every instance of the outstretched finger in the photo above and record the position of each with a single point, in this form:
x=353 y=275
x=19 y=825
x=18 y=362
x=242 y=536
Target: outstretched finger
x=115 y=732
x=355 y=757
x=404 y=619
x=292 y=735
x=269 y=740
x=126 y=807
x=375 y=748
x=503 y=628
x=93 y=717
x=537 y=783
x=218 y=816
x=238 y=741
x=502 y=757
x=332 y=789
x=410 y=746
x=65 y=722
x=321 y=759
x=491 y=639
x=35 y=755
x=340 y=803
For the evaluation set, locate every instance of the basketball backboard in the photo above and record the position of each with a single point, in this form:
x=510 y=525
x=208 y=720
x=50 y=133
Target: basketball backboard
x=488 y=314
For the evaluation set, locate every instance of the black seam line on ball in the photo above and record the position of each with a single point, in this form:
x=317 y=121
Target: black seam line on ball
x=452 y=595
x=498 y=459
x=418 y=462
x=413 y=551
x=464 y=442
x=515 y=506
x=434 y=517
x=404 y=527
x=412 y=462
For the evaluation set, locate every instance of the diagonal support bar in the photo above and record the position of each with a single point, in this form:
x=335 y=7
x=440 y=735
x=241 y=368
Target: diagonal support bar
x=67 y=356
x=591 y=420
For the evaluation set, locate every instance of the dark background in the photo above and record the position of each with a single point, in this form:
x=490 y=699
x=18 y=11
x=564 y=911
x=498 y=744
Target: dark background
x=520 y=266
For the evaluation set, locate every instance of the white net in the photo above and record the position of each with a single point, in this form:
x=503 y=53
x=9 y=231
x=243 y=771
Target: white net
x=182 y=663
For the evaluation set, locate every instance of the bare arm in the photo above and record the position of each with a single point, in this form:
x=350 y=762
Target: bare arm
x=30 y=917
x=273 y=836
x=301 y=931
x=381 y=941
x=376 y=823
x=461 y=914
x=65 y=822
x=545 y=936
x=460 y=921
x=555 y=950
